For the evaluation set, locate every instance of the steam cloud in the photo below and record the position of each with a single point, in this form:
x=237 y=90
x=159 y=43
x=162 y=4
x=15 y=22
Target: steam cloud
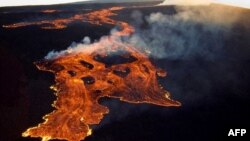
x=188 y=34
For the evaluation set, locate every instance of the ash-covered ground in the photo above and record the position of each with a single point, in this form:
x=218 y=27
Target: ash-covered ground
x=204 y=49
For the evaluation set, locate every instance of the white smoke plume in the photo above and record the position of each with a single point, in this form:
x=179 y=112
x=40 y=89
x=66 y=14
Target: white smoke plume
x=85 y=46
x=189 y=33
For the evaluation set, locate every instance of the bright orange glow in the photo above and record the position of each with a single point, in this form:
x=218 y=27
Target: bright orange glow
x=97 y=17
x=49 y=11
x=83 y=78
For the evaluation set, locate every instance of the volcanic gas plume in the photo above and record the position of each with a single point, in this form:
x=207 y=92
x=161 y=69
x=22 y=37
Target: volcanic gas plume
x=108 y=68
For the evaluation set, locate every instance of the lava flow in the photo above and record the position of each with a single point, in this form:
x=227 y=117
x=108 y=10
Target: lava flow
x=108 y=68
x=49 y=11
x=98 y=17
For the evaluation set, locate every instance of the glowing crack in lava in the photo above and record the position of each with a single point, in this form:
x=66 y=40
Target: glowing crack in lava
x=108 y=68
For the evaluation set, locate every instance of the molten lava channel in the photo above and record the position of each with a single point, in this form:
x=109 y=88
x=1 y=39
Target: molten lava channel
x=98 y=17
x=108 y=68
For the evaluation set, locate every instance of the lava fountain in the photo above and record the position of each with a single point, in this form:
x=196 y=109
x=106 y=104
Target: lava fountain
x=108 y=68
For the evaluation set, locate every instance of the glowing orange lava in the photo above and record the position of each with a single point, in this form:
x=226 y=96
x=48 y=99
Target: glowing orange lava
x=49 y=11
x=98 y=17
x=108 y=68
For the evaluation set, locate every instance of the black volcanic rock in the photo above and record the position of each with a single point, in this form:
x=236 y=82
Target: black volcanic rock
x=214 y=93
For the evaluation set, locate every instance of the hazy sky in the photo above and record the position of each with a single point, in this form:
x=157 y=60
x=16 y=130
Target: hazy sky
x=47 y=2
x=239 y=3
x=242 y=3
x=33 y=2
